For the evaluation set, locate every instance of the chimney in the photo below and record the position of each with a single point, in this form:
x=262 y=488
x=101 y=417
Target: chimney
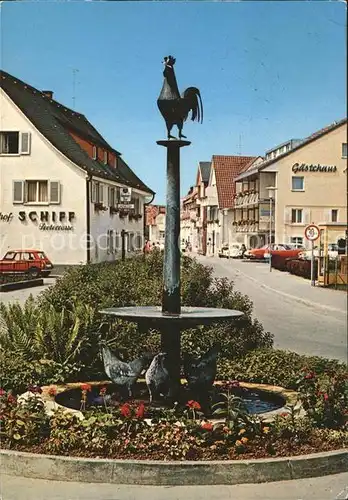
x=48 y=93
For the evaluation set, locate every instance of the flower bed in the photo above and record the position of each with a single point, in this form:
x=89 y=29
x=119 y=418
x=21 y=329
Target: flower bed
x=123 y=432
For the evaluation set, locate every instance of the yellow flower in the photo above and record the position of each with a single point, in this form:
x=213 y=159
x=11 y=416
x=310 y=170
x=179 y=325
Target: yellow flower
x=238 y=443
x=244 y=440
x=266 y=430
x=242 y=431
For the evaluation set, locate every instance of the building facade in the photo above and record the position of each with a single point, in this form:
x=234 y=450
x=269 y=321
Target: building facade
x=310 y=180
x=63 y=188
x=156 y=223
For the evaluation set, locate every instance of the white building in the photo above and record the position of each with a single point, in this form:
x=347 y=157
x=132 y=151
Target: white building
x=61 y=183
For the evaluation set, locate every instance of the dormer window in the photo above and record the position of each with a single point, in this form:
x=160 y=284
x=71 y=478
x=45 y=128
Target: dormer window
x=105 y=157
x=115 y=162
x=94 y=152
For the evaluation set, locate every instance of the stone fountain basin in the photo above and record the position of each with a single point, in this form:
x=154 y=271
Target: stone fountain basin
x=275 y=398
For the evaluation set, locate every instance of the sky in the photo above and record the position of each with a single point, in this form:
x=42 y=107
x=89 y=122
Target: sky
x=267 y=71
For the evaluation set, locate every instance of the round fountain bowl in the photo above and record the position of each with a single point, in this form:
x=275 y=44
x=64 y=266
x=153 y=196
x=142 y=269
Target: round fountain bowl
x=188 y=317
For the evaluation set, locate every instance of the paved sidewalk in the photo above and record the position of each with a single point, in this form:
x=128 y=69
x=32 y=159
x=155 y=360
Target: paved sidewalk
x=320 y=488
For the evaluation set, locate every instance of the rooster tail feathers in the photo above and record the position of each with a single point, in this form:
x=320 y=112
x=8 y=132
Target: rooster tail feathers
x=193 y=102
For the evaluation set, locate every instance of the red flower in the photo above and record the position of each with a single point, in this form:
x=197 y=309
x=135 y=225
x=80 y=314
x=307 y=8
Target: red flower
x=11 y=399
x=125 y=410
x=140 y=411
x=52 y=391
x=194 y=405
x=284 y=414
x=310 y=375
x=2 y=392
x=207 y=426
x=86 y=387
x=326 y=397
x=102 y=391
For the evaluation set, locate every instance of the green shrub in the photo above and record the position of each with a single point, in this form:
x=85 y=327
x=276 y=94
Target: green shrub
x=17 y=373
x=139 y=282
x=325 y=397
x=273 y=366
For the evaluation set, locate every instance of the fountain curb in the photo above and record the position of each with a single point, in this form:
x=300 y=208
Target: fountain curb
x=160 y=473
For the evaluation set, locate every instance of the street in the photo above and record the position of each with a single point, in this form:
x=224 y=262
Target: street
x=22 y=295
x=308 y=320
x=320 y=488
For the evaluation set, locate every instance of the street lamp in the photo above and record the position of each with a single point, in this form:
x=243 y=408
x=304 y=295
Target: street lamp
x=271 y=190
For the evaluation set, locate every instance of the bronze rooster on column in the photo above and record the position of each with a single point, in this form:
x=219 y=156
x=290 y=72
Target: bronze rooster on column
x=175 y=108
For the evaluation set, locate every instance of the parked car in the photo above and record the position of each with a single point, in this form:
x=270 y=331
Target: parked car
x=332 y=252
x=33 y=263
x=276 y=249
x=233 y=251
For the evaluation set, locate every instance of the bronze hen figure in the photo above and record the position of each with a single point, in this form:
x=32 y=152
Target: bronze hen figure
x=175 y=108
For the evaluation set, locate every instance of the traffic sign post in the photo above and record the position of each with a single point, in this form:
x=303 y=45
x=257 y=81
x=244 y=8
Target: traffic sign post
x=312 y=233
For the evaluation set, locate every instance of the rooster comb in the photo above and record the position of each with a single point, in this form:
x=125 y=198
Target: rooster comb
x=170 y=60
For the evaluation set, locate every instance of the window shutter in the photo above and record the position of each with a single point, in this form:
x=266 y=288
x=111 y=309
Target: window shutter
x=25 y=143
x=18 y=191
x=101 y=193
x=287 y=215
x=93 y=187
x=109 y=196
x=54 y=192
x=306 y=216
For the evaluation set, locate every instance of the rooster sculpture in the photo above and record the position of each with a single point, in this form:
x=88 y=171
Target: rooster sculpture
x=121 y=373
x=200 y=373
x=157 y=376
x=175 y=108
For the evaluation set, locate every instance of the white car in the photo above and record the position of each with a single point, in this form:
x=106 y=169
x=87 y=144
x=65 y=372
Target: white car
x=332 y=252
x=234 y=251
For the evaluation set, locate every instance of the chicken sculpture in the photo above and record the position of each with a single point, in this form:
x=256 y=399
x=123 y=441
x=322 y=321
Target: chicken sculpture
x=157 y=376
x=200 y=373
x=175 y=108
x=121 y=373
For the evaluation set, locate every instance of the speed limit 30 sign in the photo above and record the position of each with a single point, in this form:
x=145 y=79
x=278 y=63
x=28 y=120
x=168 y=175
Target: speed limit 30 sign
x=312 y=232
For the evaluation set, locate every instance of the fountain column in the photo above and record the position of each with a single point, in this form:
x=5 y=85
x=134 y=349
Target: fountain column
x=171 y=300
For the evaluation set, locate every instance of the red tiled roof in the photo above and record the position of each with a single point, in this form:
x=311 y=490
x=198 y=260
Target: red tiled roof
x=226 y=168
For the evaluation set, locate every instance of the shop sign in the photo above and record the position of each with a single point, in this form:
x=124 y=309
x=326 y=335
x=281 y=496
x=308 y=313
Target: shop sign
x=303 y=167
x=6 y=217
x=48 y=220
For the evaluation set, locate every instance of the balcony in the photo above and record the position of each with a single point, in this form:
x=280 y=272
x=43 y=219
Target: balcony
x=246 y=226
x=247 y=198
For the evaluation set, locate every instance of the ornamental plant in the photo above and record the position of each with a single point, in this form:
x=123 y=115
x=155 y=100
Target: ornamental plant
x=325 y=397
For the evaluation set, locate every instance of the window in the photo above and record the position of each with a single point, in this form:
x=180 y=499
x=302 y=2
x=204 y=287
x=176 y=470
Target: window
x=297 y=183
x=38 y=191
x=9 y=143
x=95 y=152
x=334 y=215
x=296 y=215
x=344 y=150
x=97 y=195
x=14 y=143
x=105 y=157
x=296 y=240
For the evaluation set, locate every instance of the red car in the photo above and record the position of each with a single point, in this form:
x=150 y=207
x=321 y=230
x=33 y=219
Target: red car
x=276 y=249
x=33 y=263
